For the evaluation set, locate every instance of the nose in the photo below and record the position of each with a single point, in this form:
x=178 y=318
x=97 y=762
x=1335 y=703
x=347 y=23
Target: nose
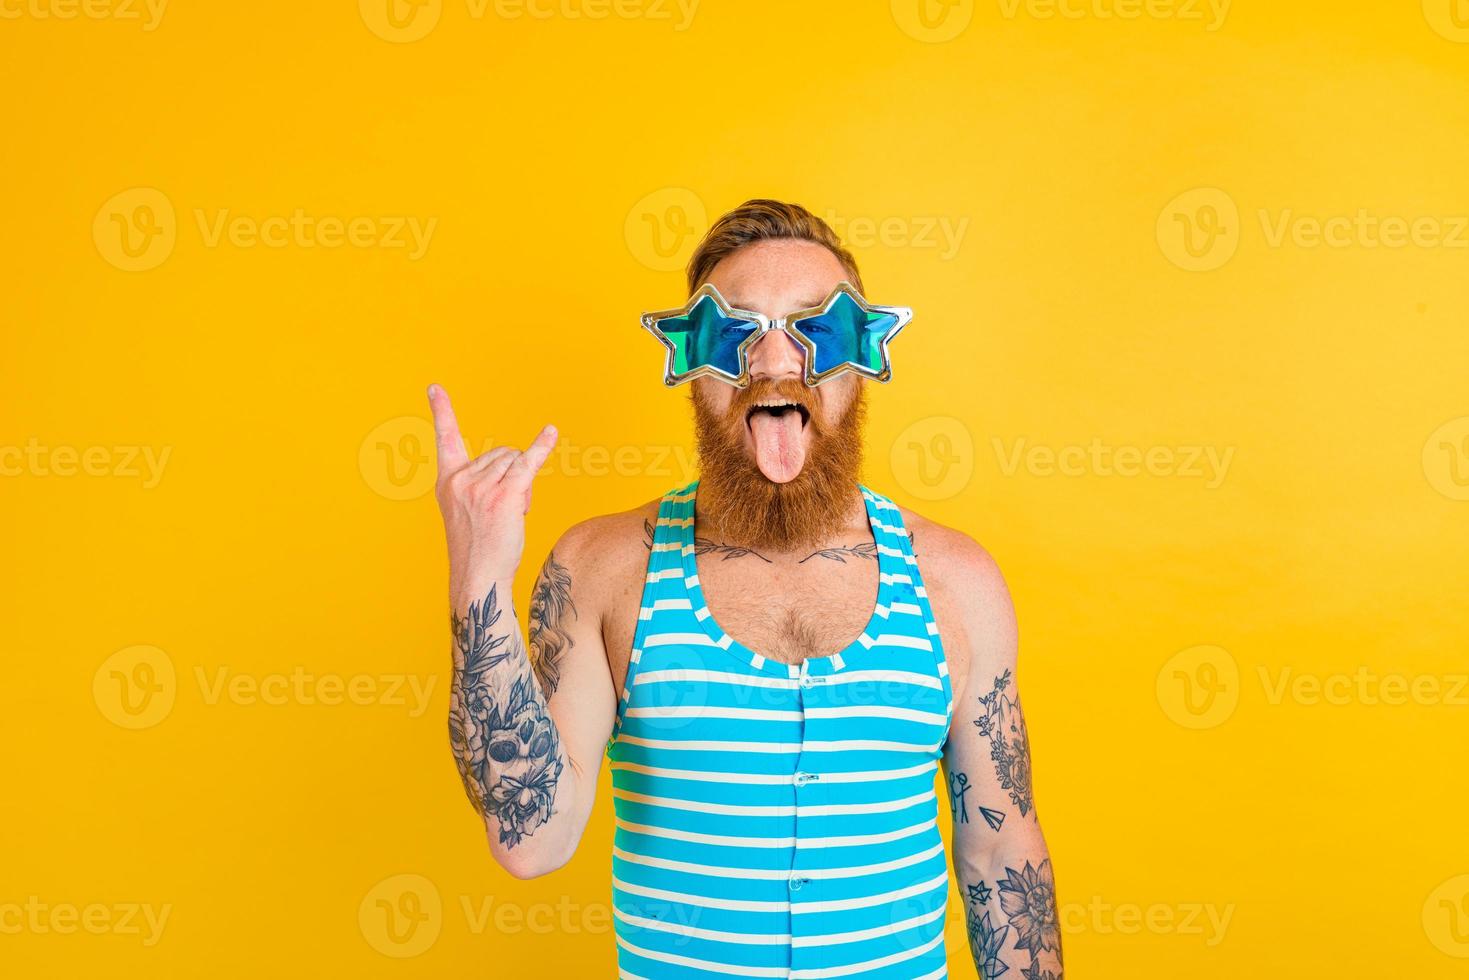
x=777 y=356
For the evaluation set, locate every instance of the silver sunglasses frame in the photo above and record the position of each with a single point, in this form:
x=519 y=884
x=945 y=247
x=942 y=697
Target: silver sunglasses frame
x=764 y=324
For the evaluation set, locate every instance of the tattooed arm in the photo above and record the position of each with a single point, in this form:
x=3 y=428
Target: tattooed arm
x=1001 y=862
x=527 y=727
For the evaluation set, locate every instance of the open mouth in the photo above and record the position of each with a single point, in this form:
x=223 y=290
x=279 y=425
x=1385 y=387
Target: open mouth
x=777 y=407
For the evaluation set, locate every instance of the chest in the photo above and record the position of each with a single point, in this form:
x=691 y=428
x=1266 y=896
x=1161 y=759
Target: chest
x=787 y=608
x=791 y=611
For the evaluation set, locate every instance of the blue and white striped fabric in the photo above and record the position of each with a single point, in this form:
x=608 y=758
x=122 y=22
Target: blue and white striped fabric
x=778 y=820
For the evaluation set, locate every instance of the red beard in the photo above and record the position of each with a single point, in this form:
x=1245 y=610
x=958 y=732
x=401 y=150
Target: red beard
x=749 y=509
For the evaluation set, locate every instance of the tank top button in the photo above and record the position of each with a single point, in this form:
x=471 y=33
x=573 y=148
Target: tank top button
x=797 y=882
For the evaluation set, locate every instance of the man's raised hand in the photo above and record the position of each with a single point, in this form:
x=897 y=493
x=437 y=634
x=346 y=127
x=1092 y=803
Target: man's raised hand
x=484 y=500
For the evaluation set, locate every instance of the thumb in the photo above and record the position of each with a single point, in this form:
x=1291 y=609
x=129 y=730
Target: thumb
x=529 y=463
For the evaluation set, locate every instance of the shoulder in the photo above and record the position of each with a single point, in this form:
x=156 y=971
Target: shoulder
x=608 y=540
x=952 y=560
x=608 y=534
x=971 y=602
x=606 y=557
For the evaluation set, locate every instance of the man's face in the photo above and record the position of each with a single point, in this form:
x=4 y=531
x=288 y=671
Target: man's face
x=776 y=412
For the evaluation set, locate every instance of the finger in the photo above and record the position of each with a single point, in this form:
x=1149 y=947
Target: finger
x=482 y=463
x=525 y=468
x=450 y=445
x=497 y=469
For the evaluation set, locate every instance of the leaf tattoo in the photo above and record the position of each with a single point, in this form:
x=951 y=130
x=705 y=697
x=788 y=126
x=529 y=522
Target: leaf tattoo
x=703 y=546
x=472 y=635
x=865 y=550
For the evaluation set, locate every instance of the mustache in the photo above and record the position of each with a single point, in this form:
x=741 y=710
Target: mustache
x=788 y=389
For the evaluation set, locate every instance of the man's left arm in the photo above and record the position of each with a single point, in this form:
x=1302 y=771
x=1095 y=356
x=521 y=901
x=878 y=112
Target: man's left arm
x=1001 y=861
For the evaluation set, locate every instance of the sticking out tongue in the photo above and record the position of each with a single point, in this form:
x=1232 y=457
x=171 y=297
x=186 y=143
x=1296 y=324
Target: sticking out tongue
x=778 y=449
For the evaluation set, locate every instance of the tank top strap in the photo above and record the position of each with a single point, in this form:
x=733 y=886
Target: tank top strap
x=894 y=555
x=675 y=513
x=671 y=533
x=903 y=581
x=664 y=585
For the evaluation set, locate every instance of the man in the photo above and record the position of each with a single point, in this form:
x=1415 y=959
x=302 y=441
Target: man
x=773 y=679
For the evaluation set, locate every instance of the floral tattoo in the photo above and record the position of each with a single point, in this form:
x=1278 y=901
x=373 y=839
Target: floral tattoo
x=505 y=744
x=1004 y=725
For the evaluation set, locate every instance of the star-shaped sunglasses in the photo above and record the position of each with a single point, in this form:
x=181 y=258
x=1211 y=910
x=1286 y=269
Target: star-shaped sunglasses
x=707 y=336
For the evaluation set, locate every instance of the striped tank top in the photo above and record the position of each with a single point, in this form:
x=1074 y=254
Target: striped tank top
x=778 y=820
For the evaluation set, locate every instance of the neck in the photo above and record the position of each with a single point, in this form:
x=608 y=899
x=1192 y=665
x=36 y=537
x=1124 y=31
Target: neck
x=780 y=523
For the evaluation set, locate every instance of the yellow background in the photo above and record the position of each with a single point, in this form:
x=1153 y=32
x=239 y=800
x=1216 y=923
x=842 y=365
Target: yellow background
x=286 y=384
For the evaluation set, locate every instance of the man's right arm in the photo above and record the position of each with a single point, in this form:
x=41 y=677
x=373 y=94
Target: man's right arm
x=528 y=731
x=527 y=727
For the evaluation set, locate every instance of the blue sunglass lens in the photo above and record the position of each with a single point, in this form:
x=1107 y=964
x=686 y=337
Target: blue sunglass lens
x=847 y=333
x=707 y=338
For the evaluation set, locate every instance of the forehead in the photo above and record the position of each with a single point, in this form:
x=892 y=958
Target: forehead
x=777 y=276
